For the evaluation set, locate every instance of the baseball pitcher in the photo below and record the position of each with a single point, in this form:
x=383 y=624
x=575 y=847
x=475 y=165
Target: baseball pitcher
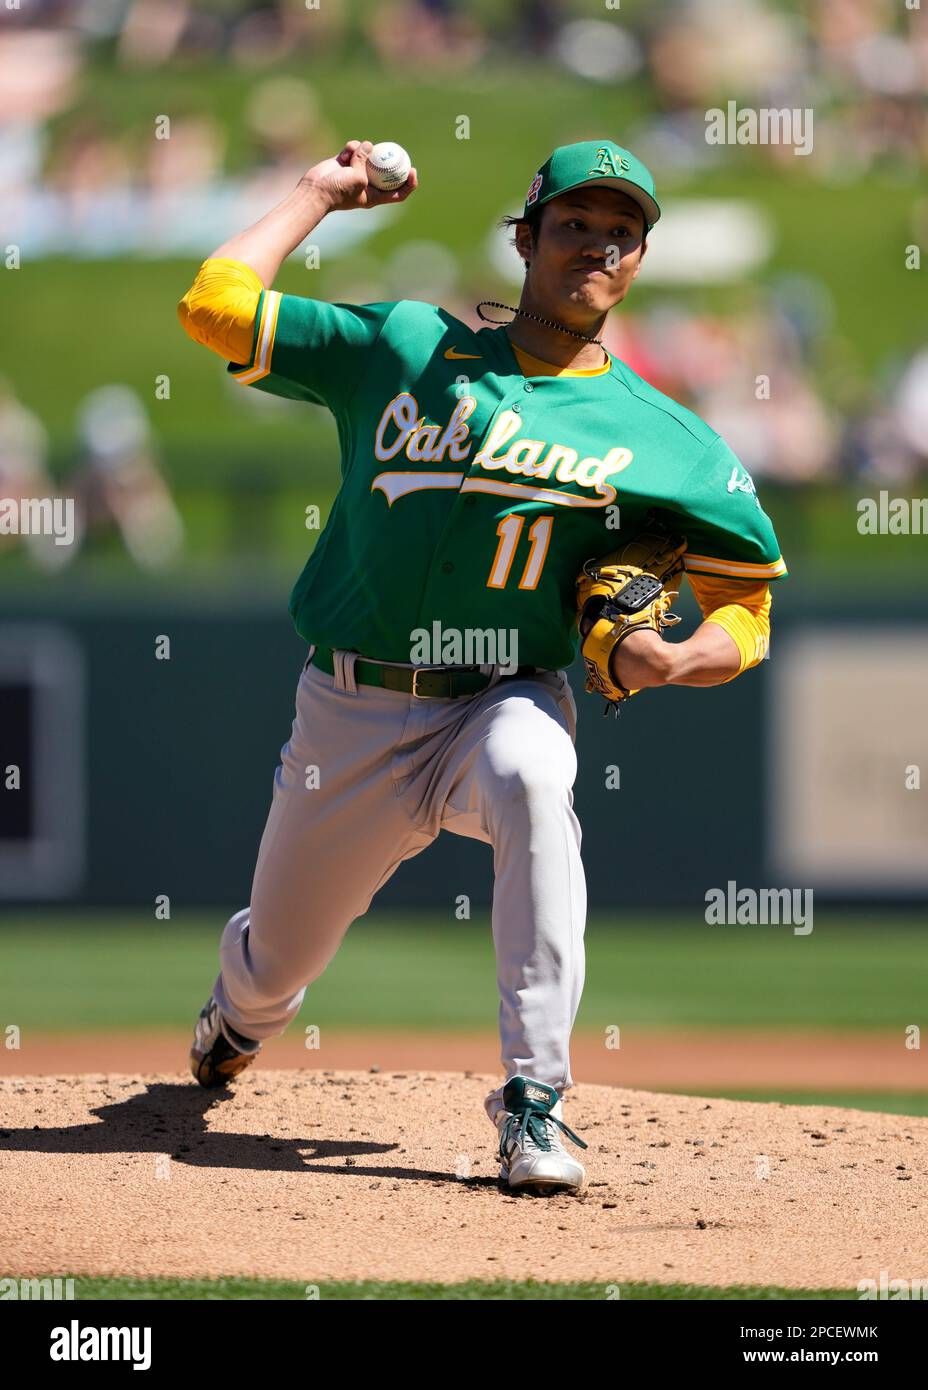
x=509 y=494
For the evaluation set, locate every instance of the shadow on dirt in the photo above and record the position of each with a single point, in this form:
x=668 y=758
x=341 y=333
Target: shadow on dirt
x=171 y=1119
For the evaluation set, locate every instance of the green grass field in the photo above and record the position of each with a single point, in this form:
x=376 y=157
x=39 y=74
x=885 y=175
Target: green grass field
x=474 y=1289
x=61 y=973
x=113 y=972
x=886 y=1102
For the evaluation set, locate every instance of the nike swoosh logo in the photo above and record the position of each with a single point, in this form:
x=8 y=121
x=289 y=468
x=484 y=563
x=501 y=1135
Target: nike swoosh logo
x=452 y=356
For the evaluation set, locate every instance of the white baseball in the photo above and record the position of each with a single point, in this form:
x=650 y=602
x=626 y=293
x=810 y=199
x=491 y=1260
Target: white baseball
x=388 y=166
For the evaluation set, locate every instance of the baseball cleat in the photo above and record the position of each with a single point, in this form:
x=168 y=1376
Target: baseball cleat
x=532 y=1157
x=218 y=1053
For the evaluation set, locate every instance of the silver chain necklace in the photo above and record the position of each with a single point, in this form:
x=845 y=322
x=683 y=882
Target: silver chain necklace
x=548 y=323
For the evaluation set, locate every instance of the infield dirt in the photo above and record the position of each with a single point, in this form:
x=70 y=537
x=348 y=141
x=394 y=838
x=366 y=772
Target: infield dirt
x=355 y=1175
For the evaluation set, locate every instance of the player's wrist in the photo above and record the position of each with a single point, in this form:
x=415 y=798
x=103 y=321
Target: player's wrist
x=315 y=195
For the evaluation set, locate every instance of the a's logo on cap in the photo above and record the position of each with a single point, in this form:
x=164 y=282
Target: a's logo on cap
x=606 y=163
x=534 y=190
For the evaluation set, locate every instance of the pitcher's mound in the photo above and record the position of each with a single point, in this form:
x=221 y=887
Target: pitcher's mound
x=349 y=1175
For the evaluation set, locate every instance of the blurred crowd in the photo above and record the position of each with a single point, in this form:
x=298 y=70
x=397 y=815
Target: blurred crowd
x=114 y=481
x=771 y=375
x=688 y=48
x=861 y=65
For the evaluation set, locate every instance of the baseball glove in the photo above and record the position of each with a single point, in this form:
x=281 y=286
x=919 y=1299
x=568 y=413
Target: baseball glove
x=623 y=593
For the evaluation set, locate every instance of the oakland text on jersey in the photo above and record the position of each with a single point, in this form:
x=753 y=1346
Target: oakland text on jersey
x=533 y=458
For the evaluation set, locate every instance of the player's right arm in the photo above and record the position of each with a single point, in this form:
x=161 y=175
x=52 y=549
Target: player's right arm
x=336 y=185
x=288 y=345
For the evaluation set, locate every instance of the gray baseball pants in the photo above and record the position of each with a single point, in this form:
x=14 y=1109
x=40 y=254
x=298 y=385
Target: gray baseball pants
x=368 y=778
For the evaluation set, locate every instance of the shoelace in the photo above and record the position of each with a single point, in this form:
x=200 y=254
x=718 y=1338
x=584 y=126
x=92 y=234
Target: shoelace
x=533 y=1126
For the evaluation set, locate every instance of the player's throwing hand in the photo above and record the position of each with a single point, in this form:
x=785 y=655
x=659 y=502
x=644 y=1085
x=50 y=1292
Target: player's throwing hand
x=344 y=182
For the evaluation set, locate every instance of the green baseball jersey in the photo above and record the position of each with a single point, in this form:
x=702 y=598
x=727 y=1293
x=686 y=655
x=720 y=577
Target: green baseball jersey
x=471 y=494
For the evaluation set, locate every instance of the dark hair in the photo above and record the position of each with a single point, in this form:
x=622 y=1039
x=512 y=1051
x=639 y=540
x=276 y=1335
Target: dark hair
x=532 y=221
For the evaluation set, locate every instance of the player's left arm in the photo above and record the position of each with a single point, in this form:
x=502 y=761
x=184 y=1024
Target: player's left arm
x=734 y=635
x=732 y=556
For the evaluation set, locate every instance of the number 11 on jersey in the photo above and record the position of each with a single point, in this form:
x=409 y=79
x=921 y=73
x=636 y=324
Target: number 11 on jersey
x=509 y=530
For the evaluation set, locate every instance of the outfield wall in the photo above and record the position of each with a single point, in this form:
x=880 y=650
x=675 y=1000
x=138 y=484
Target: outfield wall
x=140 y=777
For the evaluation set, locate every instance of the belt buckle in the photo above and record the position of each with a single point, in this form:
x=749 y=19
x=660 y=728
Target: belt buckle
x=428 y=670
x=419 y=671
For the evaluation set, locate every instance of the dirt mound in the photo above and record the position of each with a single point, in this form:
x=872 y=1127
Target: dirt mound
x=349 y=1175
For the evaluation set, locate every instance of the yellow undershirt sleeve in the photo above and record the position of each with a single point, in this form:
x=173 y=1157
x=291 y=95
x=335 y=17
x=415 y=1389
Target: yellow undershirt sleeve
x=219 y=308
x=742 y=609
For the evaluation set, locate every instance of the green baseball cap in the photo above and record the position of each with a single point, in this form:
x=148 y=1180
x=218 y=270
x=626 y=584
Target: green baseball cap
x=594 y=162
